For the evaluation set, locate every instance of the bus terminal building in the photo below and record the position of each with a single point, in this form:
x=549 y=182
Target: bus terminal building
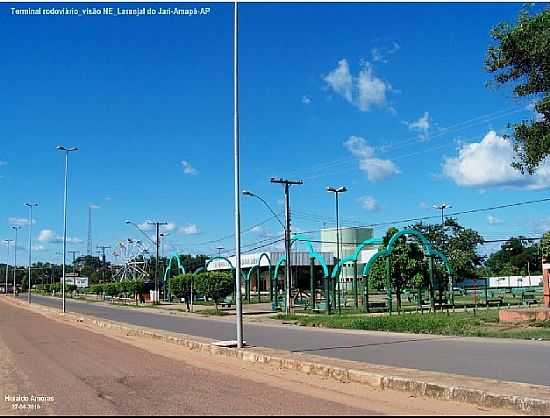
x=301 y=259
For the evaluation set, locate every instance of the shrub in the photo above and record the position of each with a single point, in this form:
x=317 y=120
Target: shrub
x=180 y=285
x=214 y=285
x=97 y=289
x=112 y=289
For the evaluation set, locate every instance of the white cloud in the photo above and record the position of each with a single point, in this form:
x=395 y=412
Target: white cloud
x=424 y=205
x=146 y=225
x=422 y=125
x=190 y=229
x=488 y=163
x=340 y=80
x=46 y=235
x=94 y=206
x=169 y=227
x=377 y=55
x=376 y=169
x=493 y=220
x=541 y=225
x=306 y=100
x=538 y=116
x=38 y=247
x=371 y=89
x=369 y=203
x=380 y=54
x=188 y=168
x=49 y=236
x=364 y=91
x=19 y=221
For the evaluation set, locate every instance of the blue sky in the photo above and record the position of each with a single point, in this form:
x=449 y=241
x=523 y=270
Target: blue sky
x=387 y=99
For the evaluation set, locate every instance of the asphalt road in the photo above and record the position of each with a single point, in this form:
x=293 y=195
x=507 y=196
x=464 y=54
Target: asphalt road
x=503 y=359
x=78 y=372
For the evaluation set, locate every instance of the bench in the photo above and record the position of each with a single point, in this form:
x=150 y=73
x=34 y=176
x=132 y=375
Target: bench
x=495 y=301
x=122 y=300
x=528 y=299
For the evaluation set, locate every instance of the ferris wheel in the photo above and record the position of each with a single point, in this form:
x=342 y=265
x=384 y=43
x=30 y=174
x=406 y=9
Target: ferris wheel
x=131 y=259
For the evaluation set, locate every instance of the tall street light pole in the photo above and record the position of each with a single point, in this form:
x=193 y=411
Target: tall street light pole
x=66 y=151
x=249 y=193
x=157 y=244
x=286 y=183
x=8 y=241
x=337 y=191
x=30 y=206
x=237 y=181
x=15 y=228
x=442 y=208
x=162 y=236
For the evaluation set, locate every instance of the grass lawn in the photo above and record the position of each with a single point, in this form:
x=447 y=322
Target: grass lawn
x=482 y=324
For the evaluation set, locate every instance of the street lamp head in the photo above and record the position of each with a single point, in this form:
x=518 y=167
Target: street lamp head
x=127 y=222
x=247 y=193
x=340 y=189
x=30 y=205
x=63 y=148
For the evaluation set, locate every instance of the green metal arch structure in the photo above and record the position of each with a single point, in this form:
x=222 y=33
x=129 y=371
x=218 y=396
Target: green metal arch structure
x=354 y=256
x=262 y=255
x=221 y=257
x=429 y=251
x=256 y=267
x=181 y=268
x=199 y=270
x=425 y=243
x=280 y=261
x=312 y=252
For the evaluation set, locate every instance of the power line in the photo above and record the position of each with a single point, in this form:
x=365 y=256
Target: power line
x=464 y=212
x=414 y=140
x=248 y=229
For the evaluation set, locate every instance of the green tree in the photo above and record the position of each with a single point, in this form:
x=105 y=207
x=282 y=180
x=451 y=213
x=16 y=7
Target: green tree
x=516 y=256
x=522 y=56
x=458 y=243
x=215 y=285
x=180 y=286
x=407 y=266
x=545 y=246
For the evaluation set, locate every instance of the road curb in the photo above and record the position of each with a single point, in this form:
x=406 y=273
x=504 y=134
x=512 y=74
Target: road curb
x=521 y=397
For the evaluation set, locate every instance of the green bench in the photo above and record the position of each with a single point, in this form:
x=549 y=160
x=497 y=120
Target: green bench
x=529 y=298
x=499 y=301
